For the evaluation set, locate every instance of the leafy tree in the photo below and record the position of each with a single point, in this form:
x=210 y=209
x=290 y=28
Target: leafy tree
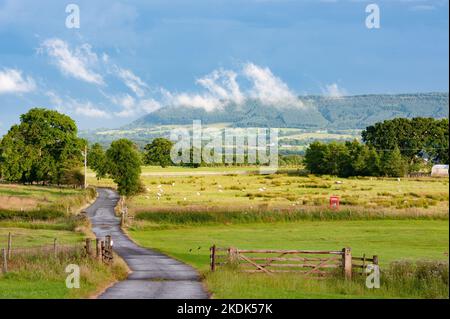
x=42 y=148
x=96 y=160
x=411 y=136
x=124 y=166
x=158 y=152
x=393 y=164
x=315 y=158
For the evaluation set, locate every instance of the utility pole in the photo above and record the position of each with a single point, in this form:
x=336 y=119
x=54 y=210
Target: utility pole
x=85 y=166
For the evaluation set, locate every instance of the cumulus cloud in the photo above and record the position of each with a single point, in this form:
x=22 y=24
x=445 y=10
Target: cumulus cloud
x=131 y=107
x=222 y=87
x=89 y=110
x=77 y=63
x=333 y=91
x=70 y=105
x=12 y=81
x=132 y=81
x=268 y=88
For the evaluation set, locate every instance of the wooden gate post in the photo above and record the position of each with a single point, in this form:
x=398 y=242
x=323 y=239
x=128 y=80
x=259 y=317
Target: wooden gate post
x=97 y=248
x=88 y=247
x=347 y=263
x=9 y=245
x=5 y=261
x=213 y=257
x=375 y=260
x=233 y=255
x=102 y=245
x=108 y=241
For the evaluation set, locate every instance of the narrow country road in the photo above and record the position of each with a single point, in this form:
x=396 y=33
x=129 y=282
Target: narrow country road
x=154 y=275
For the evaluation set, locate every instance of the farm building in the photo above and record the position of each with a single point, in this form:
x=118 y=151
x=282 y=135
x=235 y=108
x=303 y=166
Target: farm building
x=439 y=170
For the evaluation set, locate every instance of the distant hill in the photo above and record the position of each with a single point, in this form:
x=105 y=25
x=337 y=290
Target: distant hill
x=345 y=117
x=349 y=112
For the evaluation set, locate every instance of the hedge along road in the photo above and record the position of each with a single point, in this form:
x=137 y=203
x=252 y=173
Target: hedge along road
x=153 y=275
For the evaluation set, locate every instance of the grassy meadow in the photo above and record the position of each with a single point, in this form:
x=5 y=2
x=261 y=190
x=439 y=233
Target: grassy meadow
x=35 y=216
x=403 y=221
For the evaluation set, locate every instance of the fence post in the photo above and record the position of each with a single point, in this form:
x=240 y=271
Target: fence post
x=5 y=261
x=54 y=247
x=108 y=241
x=102 y=245
x=122 y=219
x=375 y=260
x=347 y=263
x=213 y=258
x=97 y=248
x=88 y=247
x=233 y=255
x=9 y=245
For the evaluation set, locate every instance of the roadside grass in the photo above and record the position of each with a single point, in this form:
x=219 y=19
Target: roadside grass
x=44 y=277
x=391 y=240
x=33 y=273
x=420 y=280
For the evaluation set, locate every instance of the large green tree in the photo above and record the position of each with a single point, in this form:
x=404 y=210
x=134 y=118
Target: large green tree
x=124 y=166
x=413 y=137
x=44 y=147
x=158 y=152
x=96 y=160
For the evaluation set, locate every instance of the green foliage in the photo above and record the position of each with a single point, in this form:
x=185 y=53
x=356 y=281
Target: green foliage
x=392 y=148
x=392 y=163
x=413 y=137
x=97 y=160
x=158 y=152
x=44 y=147
x=342 y=159
x=124 y=166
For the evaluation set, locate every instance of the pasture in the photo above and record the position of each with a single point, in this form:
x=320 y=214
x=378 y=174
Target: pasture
x=187 y=189
x=35 y=216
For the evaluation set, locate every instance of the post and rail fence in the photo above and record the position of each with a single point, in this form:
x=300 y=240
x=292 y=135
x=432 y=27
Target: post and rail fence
x=102 y=252
x=314 y=263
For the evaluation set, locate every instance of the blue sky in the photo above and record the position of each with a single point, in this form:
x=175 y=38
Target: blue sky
x=129 y=58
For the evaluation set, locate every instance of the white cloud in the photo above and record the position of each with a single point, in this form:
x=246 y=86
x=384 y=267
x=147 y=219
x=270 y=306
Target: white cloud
x=76 y=63
x=268 y=88
x=222 y=85
x=132 y=81
x=333 y=91
x=70 y=105
x=12 y=81
x=132 y=107
x=89 y=110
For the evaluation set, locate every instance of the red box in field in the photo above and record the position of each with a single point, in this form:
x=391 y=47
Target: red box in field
x=334 y=202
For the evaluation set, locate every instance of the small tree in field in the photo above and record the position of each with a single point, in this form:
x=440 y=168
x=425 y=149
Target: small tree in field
x=124 y=167
x=158 y=152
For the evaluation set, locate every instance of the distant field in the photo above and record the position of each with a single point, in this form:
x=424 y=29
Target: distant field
x=286 y=190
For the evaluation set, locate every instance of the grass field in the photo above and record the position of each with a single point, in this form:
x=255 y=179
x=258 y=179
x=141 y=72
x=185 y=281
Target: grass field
x=404 y=219
x=391 y=240
x=286 y=190
x=35 y=215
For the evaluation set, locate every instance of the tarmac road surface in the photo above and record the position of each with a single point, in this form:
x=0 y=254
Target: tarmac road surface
x=154 y=275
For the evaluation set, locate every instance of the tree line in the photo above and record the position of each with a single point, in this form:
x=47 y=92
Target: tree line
x=390 y=148
x=45 y=149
